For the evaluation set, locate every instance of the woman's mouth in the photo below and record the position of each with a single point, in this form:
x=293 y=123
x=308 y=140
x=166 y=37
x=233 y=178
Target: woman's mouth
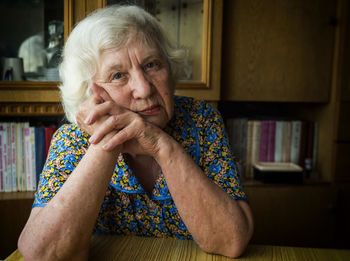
x=152 y=110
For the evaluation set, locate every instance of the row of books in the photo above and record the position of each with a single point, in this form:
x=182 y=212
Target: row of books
x=23 y=151
x=255 y=141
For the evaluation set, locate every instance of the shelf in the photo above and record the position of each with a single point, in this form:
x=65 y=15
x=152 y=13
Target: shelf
x=29 y=92
x=256 y=183
x=16 y=195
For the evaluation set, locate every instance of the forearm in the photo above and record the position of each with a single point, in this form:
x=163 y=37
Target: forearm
x=63 y=227
x=218 y=223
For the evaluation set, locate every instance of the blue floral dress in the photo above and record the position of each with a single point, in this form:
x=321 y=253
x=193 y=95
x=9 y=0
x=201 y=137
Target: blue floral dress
x=127 y=208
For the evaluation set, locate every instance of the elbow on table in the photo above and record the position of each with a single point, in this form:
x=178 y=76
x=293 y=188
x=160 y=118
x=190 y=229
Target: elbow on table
x=27 y=250
x=231 y=250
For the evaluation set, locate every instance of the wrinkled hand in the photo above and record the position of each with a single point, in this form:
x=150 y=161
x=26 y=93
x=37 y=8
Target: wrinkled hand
x=99 y=116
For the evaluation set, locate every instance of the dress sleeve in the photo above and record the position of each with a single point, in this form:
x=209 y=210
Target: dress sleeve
x=216 y=155
x=68 y=146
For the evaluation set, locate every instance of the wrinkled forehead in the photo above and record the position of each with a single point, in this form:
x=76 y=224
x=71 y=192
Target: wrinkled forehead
x=133 y=37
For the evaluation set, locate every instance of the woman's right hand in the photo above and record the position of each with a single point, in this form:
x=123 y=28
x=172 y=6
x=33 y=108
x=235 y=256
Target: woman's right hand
x=100 y=116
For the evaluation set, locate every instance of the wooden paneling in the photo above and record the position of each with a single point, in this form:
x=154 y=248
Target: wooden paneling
x=293 y=215
x=14 y=215
x=278 y=50
x=343 y=133
x=341 y=162
x=343 y=213
x=345 y=88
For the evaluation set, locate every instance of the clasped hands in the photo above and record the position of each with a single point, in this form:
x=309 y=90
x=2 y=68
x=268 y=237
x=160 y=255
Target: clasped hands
x=116 y=127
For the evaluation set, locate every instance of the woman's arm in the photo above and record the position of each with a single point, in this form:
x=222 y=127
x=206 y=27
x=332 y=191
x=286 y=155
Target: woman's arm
x=61 y=230
x=217 y=222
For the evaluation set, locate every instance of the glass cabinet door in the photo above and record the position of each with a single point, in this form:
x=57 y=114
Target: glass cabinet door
x=32 y=37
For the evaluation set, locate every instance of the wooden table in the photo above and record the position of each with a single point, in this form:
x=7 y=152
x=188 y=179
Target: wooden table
x=139 y=248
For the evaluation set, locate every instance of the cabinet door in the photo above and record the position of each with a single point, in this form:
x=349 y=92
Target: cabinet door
x=293 y=215
x=278 y=50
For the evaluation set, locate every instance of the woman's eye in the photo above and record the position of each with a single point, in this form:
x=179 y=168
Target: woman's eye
x=150 y=65
x=117 y=76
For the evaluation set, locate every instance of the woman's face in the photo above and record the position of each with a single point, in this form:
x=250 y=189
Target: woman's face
x=137 y=78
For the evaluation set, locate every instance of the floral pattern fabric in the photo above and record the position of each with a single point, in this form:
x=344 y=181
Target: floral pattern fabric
x=127 y=208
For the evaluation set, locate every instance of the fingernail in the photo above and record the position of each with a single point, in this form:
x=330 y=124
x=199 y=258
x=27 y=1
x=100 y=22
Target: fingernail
x=88 y=120
x=105 y=147
x=92 y=139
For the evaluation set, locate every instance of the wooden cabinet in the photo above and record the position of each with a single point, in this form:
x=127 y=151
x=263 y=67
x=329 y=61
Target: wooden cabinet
x=278 y=51
x=294 y=215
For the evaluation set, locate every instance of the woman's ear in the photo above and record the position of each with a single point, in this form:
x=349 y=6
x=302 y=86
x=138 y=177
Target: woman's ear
x=99 y=91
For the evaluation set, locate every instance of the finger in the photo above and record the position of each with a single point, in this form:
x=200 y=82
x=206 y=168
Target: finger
x=100 y=91
x=120 y=137
x=106 y=127
x=100 y=110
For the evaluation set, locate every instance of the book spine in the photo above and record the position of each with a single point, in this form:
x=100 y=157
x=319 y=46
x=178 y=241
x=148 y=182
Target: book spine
x=28 y=159
x=264 y=141
x=7 y=157
x=32 y=158
x=271 y=141
x=248 y=164
x=243 y=126
x=1 y=156
x=39 y=151
x=309 y=146
x=49 y=131
x=287 y=136
x=19 y=157
x=256 y=141
x=279 y=141
x=295 y=142
x=24 y=157
x=303 y=142
x=13 y=156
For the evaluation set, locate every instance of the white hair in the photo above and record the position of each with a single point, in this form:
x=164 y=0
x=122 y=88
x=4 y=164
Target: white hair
x=110 y=27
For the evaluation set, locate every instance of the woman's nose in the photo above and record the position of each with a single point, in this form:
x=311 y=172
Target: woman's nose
x=141 y=85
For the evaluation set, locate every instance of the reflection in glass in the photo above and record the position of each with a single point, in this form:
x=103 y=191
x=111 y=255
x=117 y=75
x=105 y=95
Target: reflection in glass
x=32 y=38
x=183 y=20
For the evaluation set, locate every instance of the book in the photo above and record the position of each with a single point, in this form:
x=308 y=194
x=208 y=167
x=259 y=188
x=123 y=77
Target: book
x=286 y=141
x=1 y=157
x=19 y=156
x=249 y=151
x=49 y=131
x=237 y=128
x=13 y=137
x=6 y=161
x=255 y=147
x=309 y=146
x=264 y=139
x=279 y=141
x=271 y=141
x=30 y=158
x=40 y=151
x=303 y=143
x=295 y=142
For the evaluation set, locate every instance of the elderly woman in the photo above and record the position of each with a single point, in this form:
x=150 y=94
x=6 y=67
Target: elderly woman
x=136 y=159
